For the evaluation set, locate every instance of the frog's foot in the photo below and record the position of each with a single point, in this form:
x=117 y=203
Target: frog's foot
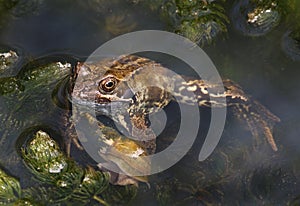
x=259 y=119
x=71 y=141
x=71 y=138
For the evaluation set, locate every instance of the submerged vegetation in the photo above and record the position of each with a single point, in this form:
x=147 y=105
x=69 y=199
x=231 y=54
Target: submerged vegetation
x=200 y=21
x=61 y=179
x=10 y=189
x=255 y=18
x=259 y=17
x=291 y=39
x=293 y=17
x=16 y=8
x=7 y=61
x=289 y=10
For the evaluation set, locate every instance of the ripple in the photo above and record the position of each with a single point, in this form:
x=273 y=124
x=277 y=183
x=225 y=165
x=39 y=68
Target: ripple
x=291 y=46
x=120 y=23
x=252 y=20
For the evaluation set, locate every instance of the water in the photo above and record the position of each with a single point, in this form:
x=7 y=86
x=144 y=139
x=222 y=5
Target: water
x=74 y=29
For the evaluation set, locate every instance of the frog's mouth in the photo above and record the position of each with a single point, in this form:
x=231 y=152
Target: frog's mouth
x=101 y=105
x=98 y=102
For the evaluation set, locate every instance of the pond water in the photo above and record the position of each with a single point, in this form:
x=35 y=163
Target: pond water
x=237 y=173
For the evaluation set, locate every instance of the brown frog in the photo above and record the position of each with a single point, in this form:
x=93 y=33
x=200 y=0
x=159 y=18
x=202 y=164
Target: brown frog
x=122 y=84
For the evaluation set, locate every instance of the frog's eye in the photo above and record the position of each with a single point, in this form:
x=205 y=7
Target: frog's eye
x=108 y=84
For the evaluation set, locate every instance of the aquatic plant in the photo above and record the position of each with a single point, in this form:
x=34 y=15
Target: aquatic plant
x=265 y=185
x=49 y=165
x=28 y=94
x=115 y=18
x=9 y=85
x=200 y=21
x=118 y=23
x=295 y=201
x=99 y=6
x=256 y=17
x=291 y=44
x=63 y=179
x=5 y=8
x=11 y=192
x=7 y=60
x=17 y=8
x=68 y=181
x=10 y=189
x=153 y=5
x=291 y=39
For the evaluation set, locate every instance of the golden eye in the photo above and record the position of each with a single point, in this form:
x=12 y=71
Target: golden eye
x=108 y=84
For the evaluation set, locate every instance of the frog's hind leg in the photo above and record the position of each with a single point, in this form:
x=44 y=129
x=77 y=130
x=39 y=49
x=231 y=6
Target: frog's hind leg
x=259 y=119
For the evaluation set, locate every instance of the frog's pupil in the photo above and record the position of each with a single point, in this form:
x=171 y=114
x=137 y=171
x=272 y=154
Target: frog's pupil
x=109 y=84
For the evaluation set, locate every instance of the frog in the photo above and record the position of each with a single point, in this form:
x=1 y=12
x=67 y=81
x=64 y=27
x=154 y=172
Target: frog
x=121 y=83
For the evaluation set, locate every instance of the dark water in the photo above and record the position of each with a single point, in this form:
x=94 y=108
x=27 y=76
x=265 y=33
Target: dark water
x=258 y=64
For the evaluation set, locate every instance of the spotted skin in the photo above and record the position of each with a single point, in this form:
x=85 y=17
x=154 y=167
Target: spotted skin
x=123 y=83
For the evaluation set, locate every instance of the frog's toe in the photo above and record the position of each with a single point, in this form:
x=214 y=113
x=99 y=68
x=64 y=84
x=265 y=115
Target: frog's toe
x=259 y=119
x=72 y=140
x=77 y=143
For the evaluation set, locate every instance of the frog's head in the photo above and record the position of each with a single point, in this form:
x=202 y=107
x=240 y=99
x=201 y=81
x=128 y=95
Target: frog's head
x=105 y=83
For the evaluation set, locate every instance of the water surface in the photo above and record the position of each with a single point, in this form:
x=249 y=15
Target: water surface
x=75 y=29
